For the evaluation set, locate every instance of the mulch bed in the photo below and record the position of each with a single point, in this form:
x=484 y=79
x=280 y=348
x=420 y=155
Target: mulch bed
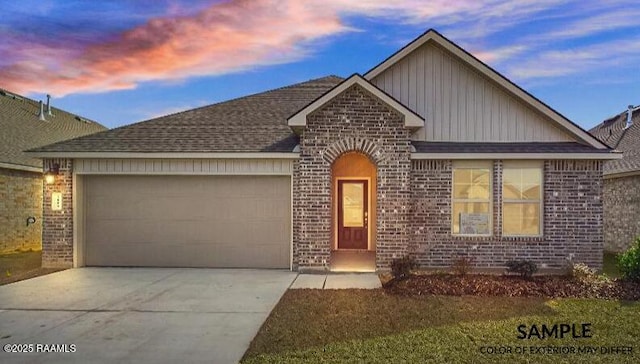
x=510 y=286
x=19 y=266
x=4 y=279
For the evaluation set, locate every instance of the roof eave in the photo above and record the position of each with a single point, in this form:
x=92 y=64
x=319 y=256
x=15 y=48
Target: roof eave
x=621 y=174
x=20 y=167
x=514 y=156
x=166 y=155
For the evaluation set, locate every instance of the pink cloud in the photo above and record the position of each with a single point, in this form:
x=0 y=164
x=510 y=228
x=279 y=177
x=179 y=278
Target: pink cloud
x=237 y=35
x=223 y=38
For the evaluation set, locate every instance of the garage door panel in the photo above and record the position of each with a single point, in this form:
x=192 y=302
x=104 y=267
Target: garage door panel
x=152 y=254
x=144 y=232
x=270 y=209
x=171 y=208
x=187 y=221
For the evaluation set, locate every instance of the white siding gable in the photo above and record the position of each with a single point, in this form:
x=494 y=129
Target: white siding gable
x=461 y=105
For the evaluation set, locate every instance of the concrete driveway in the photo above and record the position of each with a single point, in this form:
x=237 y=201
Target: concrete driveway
x=138 y=314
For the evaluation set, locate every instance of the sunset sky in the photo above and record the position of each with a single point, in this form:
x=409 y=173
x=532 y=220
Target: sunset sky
x=119 y=62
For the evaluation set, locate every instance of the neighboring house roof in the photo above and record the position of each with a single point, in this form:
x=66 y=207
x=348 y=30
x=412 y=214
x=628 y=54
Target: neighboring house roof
x=432 y=35
x=613 y=131
x=411 y=119
x=255 y=123
x=22 y=129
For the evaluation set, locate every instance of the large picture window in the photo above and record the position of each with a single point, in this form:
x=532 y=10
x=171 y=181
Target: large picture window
x=472 y=210
x=522 y=198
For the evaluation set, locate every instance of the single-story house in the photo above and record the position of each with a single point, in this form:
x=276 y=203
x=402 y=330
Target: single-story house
x=621 y=194
x=26 y=124
x=431 y=153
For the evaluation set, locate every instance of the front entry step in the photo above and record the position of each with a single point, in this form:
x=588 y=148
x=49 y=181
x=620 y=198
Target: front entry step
x=337 y=281
x=350 y=261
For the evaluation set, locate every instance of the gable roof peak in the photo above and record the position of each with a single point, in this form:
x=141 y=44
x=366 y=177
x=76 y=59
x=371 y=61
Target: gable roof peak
x=298 y=120
x=500 y=80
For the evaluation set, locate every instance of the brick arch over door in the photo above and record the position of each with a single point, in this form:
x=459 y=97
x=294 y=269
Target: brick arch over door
x=352 y=144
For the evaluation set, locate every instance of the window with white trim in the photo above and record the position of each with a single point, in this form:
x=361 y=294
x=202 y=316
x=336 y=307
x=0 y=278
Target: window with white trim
x=472 y=193
x=522 y=198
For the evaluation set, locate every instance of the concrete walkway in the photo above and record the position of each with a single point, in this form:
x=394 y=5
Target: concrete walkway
x=139 y=315
x=337 y=281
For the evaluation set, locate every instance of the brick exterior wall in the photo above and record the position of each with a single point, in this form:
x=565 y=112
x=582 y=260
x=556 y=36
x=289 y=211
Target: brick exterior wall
x=352 y=121
x=572 y=225
x=621 y=212
x=20 y=198
x=413 y=199
x=57 y=229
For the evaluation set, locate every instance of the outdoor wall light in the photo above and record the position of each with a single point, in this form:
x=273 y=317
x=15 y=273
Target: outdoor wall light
x=50 y=175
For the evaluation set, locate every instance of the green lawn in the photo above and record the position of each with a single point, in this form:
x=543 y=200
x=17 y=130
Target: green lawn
x=313 y=326
x=610 y=266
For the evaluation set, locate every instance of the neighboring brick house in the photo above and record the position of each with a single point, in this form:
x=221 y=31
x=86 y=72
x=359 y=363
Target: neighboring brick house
x=431 y=153
x=621 y=179
x=23 y=127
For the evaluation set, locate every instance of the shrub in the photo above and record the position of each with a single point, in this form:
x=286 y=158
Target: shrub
x=401 y=267
x=525 y=268
x=589 y=277
x=629 y=262
x=462 y=265
x=582 y=272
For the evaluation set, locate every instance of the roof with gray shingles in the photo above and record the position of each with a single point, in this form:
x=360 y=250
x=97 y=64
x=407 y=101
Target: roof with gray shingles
x=21 y=129
x=255 y=123
x=612 y=131
x=450 y=147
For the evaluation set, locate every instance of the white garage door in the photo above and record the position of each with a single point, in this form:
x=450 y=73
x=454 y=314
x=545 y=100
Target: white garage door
x=187 y=221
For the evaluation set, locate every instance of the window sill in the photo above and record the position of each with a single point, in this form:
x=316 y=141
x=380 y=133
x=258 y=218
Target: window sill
x=497 y=238
x=474 y=237
x=523 y=238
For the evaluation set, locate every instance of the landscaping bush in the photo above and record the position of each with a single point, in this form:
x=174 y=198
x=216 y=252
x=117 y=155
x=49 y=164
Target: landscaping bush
x=461 y=266
x=582 y=272
x=629 y=262
x=525 y=268
x=401 y=267
x=589 y=278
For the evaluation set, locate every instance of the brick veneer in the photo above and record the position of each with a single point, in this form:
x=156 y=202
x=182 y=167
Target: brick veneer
x=57 y=229
x=572 y=218
x=352 y=121
x=20 y=198
x=621 y=212
x=413 y=199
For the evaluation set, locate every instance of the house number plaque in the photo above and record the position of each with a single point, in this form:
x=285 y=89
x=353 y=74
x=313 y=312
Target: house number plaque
x=56 y=201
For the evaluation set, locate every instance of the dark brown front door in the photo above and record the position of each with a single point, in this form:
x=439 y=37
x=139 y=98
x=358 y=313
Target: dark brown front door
x=353 y=214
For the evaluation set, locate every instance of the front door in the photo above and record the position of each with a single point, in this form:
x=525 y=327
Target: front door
x=353 y=207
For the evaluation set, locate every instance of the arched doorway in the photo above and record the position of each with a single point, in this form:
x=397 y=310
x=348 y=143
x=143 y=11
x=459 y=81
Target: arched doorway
x=353 y=227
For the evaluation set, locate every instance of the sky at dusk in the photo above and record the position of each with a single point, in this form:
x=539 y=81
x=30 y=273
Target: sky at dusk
x=118 y=62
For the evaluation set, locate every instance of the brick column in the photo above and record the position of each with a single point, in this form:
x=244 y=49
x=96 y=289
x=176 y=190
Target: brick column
x=57 y=226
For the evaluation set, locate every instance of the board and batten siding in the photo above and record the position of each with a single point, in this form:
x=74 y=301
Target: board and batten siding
x=459 y=104
x=185 y=166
